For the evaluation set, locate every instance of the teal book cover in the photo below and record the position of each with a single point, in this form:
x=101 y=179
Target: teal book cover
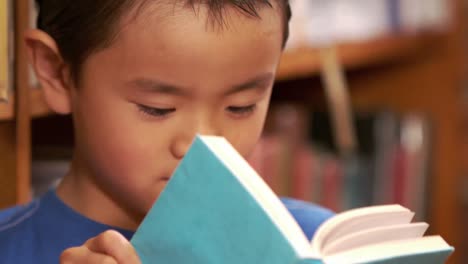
x=205 y=215
x=427 y=250
x=426 y=258
x=217 y=209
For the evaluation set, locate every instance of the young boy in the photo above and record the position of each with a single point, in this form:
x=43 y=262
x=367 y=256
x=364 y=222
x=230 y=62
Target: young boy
x=140 y=79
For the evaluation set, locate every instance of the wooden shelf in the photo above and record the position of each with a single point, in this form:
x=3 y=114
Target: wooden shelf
x=38 y=106
x=304 y=61
x=6 y=110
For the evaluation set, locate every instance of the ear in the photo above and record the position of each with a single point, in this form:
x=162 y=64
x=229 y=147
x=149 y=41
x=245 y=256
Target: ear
x=51 y=70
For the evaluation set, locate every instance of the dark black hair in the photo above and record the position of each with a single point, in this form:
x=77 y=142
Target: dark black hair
x=81 y=27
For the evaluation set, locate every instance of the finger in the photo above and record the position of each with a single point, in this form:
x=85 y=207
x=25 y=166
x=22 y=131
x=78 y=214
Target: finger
x=114 y=244
x=84 y=255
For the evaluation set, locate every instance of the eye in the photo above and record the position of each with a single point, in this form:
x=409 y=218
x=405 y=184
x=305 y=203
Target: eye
x=241 y=110
x=156 y=112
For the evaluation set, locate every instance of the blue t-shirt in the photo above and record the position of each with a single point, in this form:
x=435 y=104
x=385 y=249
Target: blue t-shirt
x=40 y=231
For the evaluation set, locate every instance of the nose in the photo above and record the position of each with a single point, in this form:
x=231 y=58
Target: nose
x=180 y=147
x=182 y=143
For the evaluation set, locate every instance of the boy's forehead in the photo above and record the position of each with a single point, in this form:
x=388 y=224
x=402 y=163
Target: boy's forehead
x=167 y=15
x=176 y=44
x=160 y=25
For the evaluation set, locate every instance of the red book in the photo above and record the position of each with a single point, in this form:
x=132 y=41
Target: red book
x=332 y=185
x=264 y=160
x=302 y=181
x=400 y=173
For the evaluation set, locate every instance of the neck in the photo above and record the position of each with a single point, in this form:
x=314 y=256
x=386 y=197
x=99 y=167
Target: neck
x=79 y=190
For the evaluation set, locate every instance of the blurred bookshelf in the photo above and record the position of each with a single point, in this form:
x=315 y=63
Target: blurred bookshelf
x=299 y=158
x=420 y=74
x=304 y=61
x=38 y=106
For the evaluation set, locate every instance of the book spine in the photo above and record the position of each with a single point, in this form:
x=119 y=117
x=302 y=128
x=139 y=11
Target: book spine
x=5 y=46
x=33 y=14
x=356 y=183
x=386 y=145
x=415 y=142
x=283 y=173
x=316 y=179
x=332 y=185
x=302 y=174
x=400 y=175
x=394 y=15
x=256 y=159
x=264 y=159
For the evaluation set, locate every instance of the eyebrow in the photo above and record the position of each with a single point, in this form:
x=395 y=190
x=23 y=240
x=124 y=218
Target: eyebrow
x=156 y=86
x=260 y=81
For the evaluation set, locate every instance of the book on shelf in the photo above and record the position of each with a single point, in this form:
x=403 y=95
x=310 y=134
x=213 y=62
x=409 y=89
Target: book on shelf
x=419 y=15
x=6 y=49
x=415 y=141
x=322 y=22
x=33 y=15
x=392 y=164
x=386 y=144
x=216 y=209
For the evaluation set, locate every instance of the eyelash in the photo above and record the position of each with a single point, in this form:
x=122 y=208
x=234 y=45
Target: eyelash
x=163 y=112
x=155 y=112
x=242 y=110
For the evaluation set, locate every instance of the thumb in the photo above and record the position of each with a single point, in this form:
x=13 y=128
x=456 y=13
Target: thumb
x=113 y=244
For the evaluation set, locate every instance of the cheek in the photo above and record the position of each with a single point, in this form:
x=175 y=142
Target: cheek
x=245 y=134
x=116 y=144
x=118 y=149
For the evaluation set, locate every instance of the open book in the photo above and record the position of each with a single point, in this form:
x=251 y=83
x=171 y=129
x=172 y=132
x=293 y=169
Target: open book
x=216 y=209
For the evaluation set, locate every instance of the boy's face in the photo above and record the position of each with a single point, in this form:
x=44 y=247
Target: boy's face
x=169 y=75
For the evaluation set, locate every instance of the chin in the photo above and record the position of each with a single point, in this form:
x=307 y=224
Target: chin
x=156 y=192
x=146 y=198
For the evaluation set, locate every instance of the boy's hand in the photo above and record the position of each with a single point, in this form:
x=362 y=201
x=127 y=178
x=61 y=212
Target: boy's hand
x=108 y=247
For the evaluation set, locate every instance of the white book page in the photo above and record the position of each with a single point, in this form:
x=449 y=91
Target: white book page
x=357 y=220
x=374 y=236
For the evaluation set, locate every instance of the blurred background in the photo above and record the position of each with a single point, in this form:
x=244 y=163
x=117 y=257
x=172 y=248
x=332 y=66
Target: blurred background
x=370 y=106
